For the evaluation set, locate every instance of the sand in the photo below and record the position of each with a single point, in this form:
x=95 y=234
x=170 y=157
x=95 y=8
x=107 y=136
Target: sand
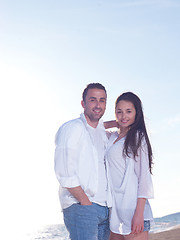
x=173 y=234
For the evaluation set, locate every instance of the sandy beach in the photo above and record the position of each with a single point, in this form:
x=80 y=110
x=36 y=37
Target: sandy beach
x=173 y=234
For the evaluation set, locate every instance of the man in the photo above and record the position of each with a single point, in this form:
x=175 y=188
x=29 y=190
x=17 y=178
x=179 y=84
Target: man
x=81 y=170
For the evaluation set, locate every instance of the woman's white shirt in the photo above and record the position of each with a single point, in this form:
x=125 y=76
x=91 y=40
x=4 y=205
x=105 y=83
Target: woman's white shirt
x=130 y=179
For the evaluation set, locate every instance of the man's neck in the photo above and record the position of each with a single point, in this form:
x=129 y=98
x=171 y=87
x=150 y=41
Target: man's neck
x=90 y=123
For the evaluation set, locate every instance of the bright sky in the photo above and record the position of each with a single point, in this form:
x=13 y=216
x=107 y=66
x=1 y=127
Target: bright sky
x=49 y=52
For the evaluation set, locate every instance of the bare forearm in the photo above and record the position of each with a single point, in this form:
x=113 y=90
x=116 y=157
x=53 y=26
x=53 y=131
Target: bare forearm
x=138 y=218
x=110 y=124
x=140 y=206
x=80 y=195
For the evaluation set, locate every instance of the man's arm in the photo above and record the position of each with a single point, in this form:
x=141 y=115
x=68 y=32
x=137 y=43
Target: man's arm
x=110 y=124
x=80 y=195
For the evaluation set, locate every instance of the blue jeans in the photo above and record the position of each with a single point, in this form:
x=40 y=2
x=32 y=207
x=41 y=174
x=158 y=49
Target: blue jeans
x=87 y=222
x=146 y=226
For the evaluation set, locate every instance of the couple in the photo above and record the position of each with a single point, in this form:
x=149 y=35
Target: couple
x=105 y=177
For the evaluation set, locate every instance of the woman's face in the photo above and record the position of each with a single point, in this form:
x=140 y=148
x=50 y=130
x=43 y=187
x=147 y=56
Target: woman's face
x=125 y=114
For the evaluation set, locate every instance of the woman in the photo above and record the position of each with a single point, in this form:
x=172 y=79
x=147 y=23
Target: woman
x=129 y=157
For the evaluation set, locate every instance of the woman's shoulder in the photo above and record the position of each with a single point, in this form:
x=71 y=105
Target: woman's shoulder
x=112 y=134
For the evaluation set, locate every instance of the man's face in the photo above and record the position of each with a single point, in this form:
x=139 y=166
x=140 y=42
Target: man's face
x=94 y=106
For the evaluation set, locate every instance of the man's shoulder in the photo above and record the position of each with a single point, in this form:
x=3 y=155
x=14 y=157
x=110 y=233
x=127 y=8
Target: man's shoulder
x=74 y=123
x=69 y=130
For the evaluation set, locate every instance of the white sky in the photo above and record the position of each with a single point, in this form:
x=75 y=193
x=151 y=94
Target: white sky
x=49 y=51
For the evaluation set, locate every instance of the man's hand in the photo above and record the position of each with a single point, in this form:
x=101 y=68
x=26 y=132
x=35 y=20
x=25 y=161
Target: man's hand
x=80 y=195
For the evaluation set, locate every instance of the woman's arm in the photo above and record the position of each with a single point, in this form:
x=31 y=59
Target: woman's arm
x=137 y=224
x=145 y=184
x=110 y=124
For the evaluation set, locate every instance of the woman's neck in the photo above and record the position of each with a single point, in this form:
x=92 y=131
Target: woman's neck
x=123 y=132
x=120 y=136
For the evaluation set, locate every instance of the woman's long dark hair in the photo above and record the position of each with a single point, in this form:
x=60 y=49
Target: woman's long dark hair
x=137 y=130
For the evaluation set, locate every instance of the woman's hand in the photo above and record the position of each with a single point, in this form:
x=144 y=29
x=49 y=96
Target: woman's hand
x=137 y=225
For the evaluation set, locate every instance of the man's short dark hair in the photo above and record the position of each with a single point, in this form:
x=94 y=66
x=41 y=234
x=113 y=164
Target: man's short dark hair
x=92 y=86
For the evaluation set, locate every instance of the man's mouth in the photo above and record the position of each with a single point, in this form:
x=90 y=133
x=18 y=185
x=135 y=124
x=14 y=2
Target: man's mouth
x=97 y=110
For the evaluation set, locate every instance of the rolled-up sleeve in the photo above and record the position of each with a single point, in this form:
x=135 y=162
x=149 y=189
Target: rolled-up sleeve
x=145 y=184
x=66 y=156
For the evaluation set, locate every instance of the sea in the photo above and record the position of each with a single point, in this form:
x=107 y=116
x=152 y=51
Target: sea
x=59 y=232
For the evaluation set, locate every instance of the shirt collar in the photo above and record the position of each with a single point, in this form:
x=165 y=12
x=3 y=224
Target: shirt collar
x=83 y=118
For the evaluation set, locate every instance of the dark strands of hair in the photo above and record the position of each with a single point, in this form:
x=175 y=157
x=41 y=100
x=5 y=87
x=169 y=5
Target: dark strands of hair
x=92 y=86
x=137 y=130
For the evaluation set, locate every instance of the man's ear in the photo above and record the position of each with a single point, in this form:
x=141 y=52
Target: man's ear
x=83 y=104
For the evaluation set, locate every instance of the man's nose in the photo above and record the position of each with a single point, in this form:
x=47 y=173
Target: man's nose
x=97 y=104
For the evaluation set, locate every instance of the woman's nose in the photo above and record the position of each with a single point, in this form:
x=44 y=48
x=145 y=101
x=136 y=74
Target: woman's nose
x=123 y=115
